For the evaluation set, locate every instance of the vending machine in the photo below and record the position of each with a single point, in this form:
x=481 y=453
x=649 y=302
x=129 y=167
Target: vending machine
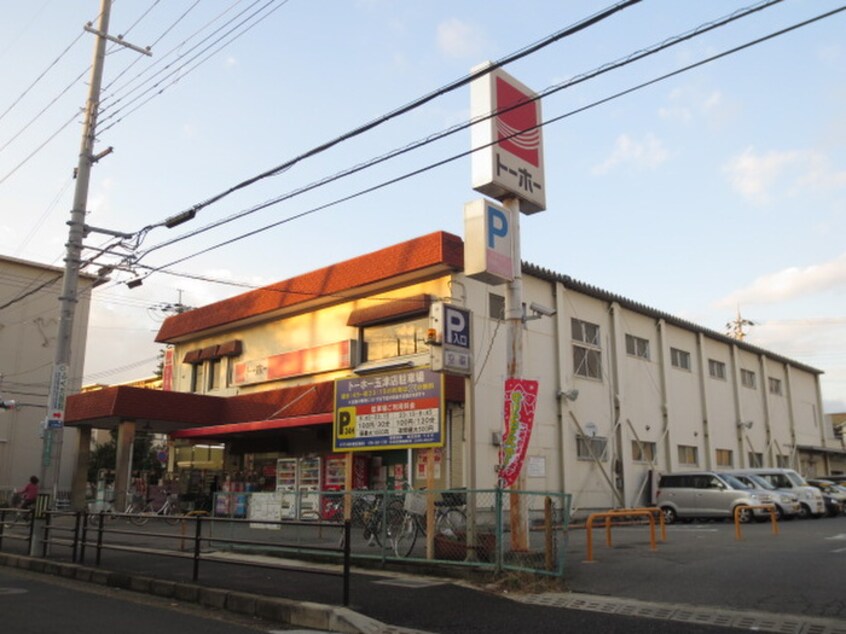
x=286 y=485
x=308 y=486
x=334 y=478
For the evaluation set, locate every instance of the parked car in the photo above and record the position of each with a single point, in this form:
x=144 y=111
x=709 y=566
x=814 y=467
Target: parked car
x=810 y=497
x=706 y=495
x=787 y=502
x=833 y=494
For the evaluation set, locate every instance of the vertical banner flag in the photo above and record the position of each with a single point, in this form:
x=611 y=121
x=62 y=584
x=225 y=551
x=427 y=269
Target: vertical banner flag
x=521 y=396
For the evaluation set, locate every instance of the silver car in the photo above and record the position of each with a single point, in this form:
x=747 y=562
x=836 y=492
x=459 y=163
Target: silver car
x=708 y=494
x=787 y=503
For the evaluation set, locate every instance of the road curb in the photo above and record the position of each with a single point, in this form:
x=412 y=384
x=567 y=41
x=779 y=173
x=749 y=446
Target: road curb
x=286 y=611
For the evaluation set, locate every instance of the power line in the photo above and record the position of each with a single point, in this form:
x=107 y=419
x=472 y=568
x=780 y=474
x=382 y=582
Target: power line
x=460 y=155
x=463 y=81
x=636 y=56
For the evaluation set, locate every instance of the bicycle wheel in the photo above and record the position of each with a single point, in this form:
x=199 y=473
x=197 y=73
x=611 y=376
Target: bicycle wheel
x=142 y=517
x=172 y=515
x=404 y=536
x=452 y=523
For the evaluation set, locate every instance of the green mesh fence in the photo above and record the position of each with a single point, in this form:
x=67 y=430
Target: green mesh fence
x=493 y=529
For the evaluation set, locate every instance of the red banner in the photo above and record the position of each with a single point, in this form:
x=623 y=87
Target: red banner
x=521 y=397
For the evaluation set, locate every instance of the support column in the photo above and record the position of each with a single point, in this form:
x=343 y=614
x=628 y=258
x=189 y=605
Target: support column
x=123 y=461
x=80 y=474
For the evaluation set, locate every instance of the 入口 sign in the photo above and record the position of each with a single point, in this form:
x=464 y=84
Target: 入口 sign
x=510 y=163
x=451 y=348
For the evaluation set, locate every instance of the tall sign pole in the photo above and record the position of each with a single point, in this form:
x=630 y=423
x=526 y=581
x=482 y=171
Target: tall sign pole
x=508 y=166
x=54 y=430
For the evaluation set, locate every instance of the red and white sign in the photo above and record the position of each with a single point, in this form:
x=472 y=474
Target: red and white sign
x=510 y=161
x=167 y=370
x=521 y=396
x=326 y=358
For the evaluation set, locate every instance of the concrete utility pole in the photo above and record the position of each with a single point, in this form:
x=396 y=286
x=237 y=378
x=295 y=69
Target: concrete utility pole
x=52 y=446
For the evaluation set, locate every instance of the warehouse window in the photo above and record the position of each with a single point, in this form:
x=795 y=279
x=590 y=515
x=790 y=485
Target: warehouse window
x=588 y=448
x=688 y=455
x=782 y=461
x=717 y=369
x=680 y=359
x=643 y=451
x=756 y=460
x=775 y=386
x=496 y=306
x=725 y=458
x=747 y=378
x=587 y=355
x=637 y=346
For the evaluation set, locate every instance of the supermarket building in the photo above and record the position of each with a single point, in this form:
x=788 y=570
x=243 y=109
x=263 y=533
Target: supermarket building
x=624 y=390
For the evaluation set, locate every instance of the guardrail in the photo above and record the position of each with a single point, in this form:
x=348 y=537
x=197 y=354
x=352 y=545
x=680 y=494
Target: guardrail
x=741 y=508
x=81 y=532
x=649 y=513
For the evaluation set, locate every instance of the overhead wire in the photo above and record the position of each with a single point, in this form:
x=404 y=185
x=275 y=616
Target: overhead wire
x=465 y=80
x=150 y=269
x=177 y=71
x=636 y=56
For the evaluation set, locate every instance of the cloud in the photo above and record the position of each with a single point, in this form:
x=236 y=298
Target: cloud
x=646 y=154
x=684 y=106
x=230 y=62
x=459 y=39
x=790 y=283
x=755 y=176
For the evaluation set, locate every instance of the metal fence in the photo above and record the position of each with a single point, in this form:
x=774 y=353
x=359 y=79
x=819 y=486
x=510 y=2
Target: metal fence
x=487 y=529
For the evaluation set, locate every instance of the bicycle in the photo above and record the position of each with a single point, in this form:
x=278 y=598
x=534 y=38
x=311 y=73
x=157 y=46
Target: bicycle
x=450 y=520
x=368 y=513
x=168 y=509
x=107 y=508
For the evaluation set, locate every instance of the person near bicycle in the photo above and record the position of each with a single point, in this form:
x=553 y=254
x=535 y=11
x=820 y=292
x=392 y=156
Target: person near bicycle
x=29 y=494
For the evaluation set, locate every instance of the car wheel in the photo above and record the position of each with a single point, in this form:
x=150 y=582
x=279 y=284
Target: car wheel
x=745 y=515
x=804 y=511
x=669 y=515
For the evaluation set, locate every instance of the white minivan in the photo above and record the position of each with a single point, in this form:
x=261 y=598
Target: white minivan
x=810 y=497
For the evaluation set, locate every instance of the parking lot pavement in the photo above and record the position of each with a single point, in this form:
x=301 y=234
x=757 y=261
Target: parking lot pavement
x=796 y=572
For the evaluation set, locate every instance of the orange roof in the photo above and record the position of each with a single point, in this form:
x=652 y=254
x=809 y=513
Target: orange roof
x=435 y=251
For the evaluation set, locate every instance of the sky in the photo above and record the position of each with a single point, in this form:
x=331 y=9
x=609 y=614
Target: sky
x=719 y=190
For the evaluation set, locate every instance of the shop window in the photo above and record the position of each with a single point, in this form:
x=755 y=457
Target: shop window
x=396 y=339
x=688 y=455
x=643 y=451
x=213 y=378
x=588 y=448
x=725 y=458
x=196 y=377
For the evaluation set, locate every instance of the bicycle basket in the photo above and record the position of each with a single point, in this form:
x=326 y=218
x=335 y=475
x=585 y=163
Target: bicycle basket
x=453 y=498
x=415 y=502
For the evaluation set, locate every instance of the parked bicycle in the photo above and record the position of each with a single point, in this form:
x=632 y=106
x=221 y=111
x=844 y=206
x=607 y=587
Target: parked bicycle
x=450 y=520
x=368 y=512
x=134 y=505
x=168 y=508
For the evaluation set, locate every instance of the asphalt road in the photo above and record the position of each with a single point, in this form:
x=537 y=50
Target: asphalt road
x=795 y=577
x=40 y=604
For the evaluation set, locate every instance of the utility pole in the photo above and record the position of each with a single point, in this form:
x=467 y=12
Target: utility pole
x=54 y=430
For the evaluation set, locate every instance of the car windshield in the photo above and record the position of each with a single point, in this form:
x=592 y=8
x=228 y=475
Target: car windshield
x=760 y=482
x=733 y=482
x=796 y=479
